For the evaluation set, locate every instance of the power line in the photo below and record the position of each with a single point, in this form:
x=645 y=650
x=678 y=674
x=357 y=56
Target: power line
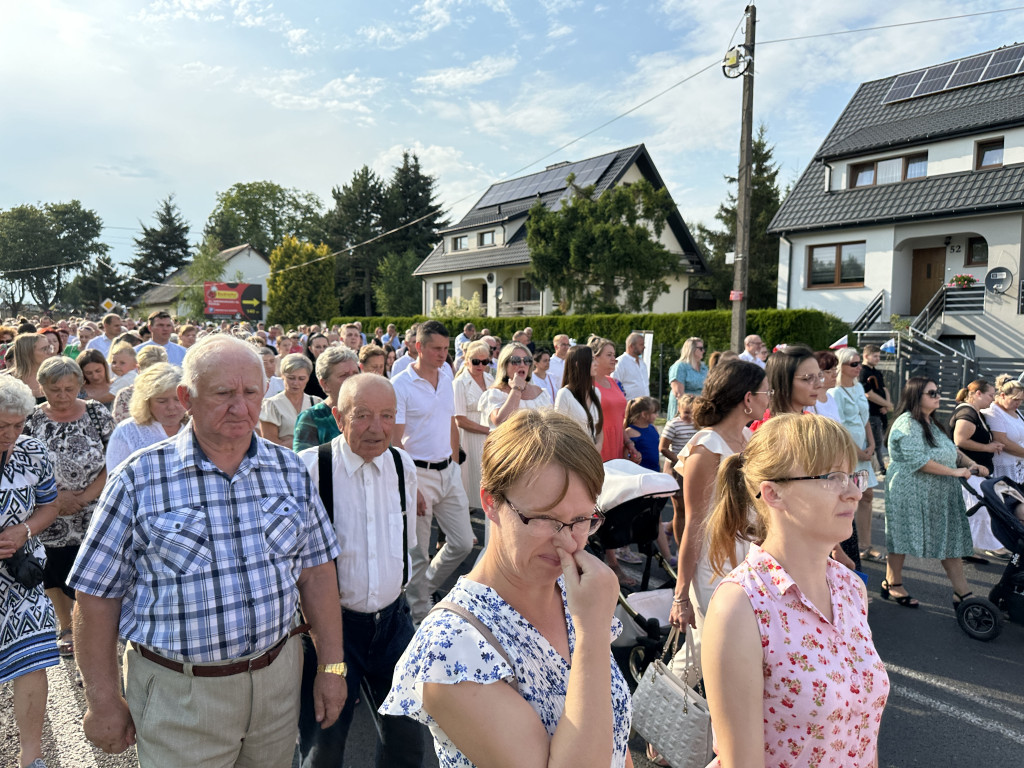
x=891 y=26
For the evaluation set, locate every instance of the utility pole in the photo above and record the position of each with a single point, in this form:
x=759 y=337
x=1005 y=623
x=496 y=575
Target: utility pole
x=743 y=61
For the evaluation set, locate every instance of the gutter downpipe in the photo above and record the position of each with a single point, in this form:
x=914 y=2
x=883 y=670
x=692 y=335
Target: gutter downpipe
x=789 y=270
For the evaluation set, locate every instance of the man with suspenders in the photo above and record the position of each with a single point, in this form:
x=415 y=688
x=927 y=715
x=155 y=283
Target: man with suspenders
x=366 y=499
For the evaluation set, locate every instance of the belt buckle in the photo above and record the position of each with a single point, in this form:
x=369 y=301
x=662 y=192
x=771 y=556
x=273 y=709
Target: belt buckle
x=254 y=659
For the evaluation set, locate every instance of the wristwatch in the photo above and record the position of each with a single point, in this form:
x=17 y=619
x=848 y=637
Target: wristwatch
x=339 y=668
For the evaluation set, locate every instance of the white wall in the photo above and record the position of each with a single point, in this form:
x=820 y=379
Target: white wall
x=949 y=156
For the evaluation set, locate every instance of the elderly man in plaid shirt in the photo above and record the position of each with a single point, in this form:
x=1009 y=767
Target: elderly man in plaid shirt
x=202 y=546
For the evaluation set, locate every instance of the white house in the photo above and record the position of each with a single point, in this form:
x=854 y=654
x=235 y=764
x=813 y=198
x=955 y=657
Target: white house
x=242 y=264
x=920 y=179
x=486 y=252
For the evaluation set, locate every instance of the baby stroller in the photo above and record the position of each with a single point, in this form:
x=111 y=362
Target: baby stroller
x=633 y=499
x=982 y=618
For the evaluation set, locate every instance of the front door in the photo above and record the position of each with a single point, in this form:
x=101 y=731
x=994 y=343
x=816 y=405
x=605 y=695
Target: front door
x=928 y=273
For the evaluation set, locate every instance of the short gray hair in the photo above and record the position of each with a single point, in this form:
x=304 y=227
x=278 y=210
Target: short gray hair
x=16 y=397
x=351 y=387
x=54 y=369
x=295 y=362
x=153 y=381
x=207 y=352
x=331 y=357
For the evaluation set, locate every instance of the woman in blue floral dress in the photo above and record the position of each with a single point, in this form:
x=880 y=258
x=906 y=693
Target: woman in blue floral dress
x=27 y=495
x=543 y=686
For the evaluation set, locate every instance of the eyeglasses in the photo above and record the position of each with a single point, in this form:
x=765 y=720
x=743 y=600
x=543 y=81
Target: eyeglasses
x=494 y=349
x=768 y=392
x=835 y=482
x=810 y=377
x=700 y=349
x=480 y=362
x=855 y=364
x=548 y=526
x=516 y=360
x=931 y=393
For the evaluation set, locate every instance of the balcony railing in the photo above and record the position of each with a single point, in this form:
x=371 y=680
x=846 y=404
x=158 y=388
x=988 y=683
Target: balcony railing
x=510 y=308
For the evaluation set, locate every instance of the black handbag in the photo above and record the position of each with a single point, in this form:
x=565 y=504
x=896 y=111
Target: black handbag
x=24 y=567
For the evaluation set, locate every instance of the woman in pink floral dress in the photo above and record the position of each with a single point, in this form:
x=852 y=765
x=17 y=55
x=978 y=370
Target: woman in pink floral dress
x=791 y=672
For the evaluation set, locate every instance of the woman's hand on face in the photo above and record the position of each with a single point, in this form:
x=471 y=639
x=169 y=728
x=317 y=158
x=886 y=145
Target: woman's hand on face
x=518 y=381
x=591 y=589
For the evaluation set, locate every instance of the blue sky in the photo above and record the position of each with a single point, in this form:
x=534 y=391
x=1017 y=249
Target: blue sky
x=120 y=103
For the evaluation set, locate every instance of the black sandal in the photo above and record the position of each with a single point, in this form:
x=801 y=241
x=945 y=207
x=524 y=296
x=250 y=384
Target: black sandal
x=958 y=598
x=905 y=600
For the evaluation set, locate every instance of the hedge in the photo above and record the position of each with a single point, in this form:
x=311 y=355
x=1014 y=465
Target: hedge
x=775 y=326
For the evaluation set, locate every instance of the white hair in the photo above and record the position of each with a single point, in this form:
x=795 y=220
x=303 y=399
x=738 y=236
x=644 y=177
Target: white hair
x=207 y=352
x=331 y=357
x=15 y=397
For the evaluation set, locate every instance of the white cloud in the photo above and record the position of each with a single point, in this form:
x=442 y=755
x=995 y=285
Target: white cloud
x=460 y=78
x=559 y=30
x=426 y=19
x=460 y=182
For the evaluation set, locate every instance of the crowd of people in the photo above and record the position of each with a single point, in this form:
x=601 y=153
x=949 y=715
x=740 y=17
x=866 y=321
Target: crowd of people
x=237 y=503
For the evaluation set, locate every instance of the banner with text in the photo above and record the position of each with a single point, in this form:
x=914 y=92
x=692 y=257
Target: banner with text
x=234 y=301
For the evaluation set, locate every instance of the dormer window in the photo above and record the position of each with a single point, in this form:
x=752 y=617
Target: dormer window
x=889 y=171
x=460 y=243
x=485 y=239
x=989 y=154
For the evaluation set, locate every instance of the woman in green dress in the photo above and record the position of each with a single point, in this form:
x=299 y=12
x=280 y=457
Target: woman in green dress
x=924 y=508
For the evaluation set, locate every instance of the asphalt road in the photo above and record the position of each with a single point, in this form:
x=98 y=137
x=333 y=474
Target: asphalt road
x=954 y=701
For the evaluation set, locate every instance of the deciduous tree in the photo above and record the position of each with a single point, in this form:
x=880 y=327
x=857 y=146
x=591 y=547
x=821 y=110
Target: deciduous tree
x=602 y=253
x=301 y=284
x=206 y=266
x=262 y=214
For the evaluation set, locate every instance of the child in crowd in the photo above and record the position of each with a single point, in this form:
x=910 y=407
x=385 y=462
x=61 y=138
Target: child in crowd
x=122 y=363
x=640 y=415
x=678 y=431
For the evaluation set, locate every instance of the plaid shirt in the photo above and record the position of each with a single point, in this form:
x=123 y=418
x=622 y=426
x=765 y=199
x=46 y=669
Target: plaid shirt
x=206 y=564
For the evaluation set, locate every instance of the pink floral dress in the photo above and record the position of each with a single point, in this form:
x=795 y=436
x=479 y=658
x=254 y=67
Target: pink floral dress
x=824 y=685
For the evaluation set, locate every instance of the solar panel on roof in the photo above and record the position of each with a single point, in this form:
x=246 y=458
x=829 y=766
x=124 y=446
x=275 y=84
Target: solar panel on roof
x=1004 y=62
x=549 y=180
x=969 y=71
x=935 y=79
x=903 y=87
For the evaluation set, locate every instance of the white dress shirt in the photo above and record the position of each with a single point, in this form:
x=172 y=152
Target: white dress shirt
x=556 y=370
x=744 y=355
x=632 y=374
x=401 y=364
x=368 y=521
x=426 y=412
x=102 y=343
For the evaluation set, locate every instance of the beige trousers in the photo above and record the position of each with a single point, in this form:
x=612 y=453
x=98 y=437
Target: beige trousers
x=248 y=720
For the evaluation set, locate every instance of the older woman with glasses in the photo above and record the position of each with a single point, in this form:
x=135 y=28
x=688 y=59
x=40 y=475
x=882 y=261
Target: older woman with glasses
x=924 y=507
x=854 y=416
x=687 y=374
x=515 y=661
x=472 y=380
x=1007 y=427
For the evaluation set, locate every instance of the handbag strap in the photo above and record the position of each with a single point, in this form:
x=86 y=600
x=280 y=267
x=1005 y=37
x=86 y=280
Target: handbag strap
x=483 y=629
x=672 y=647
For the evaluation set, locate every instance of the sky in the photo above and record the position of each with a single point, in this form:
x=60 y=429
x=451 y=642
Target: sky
x=119 y=103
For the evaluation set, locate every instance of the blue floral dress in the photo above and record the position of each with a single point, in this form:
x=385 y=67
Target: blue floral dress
x=447 y=649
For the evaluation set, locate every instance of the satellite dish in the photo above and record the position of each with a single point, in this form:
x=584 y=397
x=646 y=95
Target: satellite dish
x=736 y=62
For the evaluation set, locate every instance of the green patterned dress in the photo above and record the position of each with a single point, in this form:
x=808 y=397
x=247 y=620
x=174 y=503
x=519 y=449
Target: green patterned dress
x=924 y=513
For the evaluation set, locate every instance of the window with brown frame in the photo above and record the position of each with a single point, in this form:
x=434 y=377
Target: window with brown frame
x=889 y=170
x=485 y=239
x=988 y=154
x=977 y=252
x=460 y=243
x=442 y=292
x=836 y=266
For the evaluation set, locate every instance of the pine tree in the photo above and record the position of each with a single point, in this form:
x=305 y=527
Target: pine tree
x=161 y=249
x=765 y=199
x=410 y=197
x=97 y=282
x=357 y=217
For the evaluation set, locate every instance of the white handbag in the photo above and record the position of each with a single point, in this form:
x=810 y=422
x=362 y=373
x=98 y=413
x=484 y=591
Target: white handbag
x=671 y=716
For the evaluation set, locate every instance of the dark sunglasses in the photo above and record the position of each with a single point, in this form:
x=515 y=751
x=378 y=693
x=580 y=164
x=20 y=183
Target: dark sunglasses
x=853 y=365
x=516 y=360
x=931 y=393
x=480 y=362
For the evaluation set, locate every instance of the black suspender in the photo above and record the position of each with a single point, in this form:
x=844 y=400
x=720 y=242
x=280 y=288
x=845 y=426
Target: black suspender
x=325 y=476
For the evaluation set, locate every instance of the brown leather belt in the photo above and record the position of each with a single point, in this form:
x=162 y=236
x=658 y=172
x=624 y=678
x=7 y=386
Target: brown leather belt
x=262 y=661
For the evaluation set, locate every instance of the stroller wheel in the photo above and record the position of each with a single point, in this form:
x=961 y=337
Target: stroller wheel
x=638 y=662
x=979 y=618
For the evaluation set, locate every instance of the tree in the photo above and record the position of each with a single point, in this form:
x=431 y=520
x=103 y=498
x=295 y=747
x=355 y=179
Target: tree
x=410 y=198
x=262 y=214
x=97 y=282
x=206 y=266
x=397 y=290
x=47 y=244
x=357 y=217
x=457 y=308
x=161 y=249
x=765 y=199
x=602 y=254
x=300 y=288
